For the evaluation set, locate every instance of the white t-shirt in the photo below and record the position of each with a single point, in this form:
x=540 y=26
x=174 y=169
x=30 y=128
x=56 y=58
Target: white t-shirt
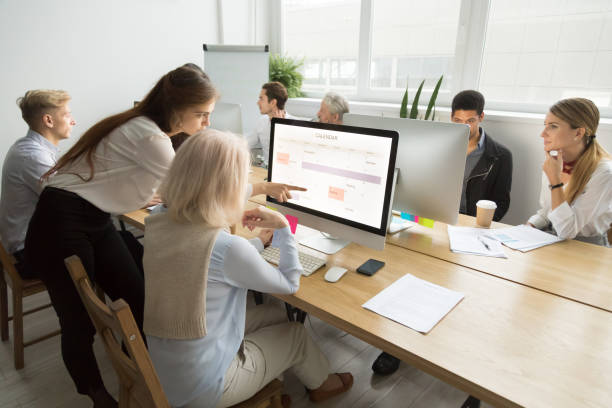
x=129 y=165
x=590 y=215
x=260 y=136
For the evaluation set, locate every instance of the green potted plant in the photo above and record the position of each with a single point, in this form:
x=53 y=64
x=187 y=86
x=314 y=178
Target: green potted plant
x=285 y=70
x=414 y=110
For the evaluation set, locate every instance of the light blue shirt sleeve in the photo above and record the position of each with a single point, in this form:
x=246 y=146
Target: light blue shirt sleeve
x=244 y=267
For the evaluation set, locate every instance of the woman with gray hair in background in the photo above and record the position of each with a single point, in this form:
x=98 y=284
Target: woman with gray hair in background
x=333 y=107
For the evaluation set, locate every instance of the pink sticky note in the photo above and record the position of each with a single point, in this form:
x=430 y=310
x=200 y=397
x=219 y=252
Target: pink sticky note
x=293 y=222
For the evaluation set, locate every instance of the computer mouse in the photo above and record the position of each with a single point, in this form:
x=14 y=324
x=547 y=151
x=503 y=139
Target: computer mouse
x=334 y=273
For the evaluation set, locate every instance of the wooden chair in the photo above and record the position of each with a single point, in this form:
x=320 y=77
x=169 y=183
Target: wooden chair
x=139 y=383
x=21 y=288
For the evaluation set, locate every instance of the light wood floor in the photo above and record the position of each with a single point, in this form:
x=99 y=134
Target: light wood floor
x=44 y=382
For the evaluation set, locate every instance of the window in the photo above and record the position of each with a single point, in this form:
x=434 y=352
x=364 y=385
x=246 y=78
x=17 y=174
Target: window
x=326 y=35
x=412 y=40
x=537 y=53
x=523 y=55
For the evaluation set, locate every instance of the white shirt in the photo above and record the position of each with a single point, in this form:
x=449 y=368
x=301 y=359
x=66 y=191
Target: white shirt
x=129 y=165
x=196 y=368
x=25 y=163
x=590 y=215
x=260 y=136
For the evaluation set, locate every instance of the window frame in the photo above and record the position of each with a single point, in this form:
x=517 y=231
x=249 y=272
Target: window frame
x=467 y=67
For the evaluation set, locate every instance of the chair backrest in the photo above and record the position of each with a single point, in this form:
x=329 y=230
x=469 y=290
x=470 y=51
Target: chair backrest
x=139 y=384
x=8 y=264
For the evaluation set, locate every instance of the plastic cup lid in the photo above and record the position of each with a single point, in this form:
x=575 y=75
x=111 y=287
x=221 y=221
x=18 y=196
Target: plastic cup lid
x=486 y=204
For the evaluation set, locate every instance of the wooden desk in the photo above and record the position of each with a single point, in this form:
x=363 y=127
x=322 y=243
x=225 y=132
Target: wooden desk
x=571 y=269
x=258 y=175
x=505 y=343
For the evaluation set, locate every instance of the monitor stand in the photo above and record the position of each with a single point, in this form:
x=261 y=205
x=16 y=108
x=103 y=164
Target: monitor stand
x=394 y=227
x=324 y=243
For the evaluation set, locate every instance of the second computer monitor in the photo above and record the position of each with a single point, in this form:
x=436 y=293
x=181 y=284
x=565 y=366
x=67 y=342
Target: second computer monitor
x=348 y=172
x=431 y=161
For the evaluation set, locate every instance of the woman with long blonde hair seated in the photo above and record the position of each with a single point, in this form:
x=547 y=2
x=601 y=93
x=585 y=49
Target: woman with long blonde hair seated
x=576 y=194
x=196 y=279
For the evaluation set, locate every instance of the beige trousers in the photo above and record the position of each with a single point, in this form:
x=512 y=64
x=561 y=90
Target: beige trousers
x=271 y=346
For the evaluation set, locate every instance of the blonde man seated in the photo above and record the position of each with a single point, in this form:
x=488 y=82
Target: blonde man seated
x=50 y=121
x=208 y=350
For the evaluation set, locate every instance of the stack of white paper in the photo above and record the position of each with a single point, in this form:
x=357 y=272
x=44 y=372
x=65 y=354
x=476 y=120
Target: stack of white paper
x=523 y=237
x=466 y=240
x=414 y=302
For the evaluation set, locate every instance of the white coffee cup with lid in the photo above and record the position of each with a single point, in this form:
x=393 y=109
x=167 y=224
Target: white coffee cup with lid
x=485 y=209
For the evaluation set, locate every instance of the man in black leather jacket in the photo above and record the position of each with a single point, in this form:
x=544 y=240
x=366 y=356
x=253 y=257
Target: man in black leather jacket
x=488 y=166
x=488 y=176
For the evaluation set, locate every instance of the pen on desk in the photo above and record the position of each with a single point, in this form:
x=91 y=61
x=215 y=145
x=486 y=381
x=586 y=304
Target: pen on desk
x=482 y=241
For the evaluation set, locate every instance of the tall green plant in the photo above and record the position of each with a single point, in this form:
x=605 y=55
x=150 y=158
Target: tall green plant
x=414 y=110
x=285 y=70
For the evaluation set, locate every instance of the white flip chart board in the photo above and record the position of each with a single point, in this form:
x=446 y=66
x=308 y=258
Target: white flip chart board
x=238 y=72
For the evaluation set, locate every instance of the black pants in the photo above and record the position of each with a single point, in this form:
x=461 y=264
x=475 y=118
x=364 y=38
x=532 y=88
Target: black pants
x=20 y=265
x=135 y=248
x=64 y=224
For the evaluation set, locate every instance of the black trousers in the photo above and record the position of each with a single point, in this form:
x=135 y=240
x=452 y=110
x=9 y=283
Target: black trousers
x=65 y=224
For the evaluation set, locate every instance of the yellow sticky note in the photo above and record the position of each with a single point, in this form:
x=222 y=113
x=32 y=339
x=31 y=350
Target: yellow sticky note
x=426 y=222
x=272 y=208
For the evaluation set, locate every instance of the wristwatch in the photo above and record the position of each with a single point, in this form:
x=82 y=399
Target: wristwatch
x=552 y=187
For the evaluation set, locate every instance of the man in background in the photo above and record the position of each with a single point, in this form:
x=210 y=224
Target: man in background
x=333 y=107
x=488 y=165
x=271 y=103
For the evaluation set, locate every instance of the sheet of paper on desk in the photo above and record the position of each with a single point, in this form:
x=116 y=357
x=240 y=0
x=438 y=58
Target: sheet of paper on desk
x=523 y=237
x=473 y=241
x=414 y=302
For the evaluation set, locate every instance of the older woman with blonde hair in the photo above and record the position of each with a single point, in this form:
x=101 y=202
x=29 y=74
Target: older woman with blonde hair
x=208 y=350
x=576 y=195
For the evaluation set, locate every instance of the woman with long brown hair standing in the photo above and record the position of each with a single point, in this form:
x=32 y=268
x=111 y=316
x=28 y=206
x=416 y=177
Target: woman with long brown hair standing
x=576 y=195
x=114 y=168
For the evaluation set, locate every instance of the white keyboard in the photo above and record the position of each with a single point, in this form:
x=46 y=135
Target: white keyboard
x=309 y=263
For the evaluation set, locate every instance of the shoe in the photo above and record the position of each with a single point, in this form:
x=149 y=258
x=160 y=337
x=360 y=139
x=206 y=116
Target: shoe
x=319 y=396
x=385 y=364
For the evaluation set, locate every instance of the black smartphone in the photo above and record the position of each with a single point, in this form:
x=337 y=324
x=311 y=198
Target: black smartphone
x=370 y=267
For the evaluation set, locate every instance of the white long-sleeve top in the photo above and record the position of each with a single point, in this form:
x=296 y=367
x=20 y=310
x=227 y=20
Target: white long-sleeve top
x=129 y=165
x=191 y=368
x=589 y=217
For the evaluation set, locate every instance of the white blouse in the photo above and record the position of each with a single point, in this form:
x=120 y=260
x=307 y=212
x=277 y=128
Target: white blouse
x=129 y=165
x=589 y=217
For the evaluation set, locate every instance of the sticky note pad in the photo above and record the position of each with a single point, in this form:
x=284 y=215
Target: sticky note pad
x=426 y=222
x=409 y=217
x=293 y=222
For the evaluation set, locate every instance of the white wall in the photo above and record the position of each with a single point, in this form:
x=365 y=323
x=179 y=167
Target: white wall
x=106 y=54
x=520 y=133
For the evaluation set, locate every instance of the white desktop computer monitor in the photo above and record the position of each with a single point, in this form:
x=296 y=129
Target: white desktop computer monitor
x=431 y=162
x=348 y=172
x=227 y=117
